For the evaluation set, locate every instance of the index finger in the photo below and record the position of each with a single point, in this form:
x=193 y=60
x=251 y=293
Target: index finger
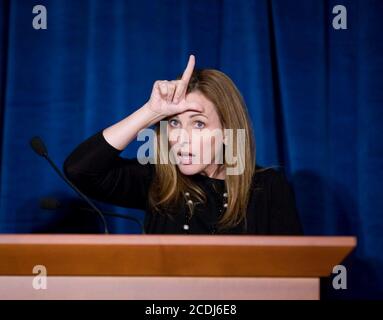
x=189 y=69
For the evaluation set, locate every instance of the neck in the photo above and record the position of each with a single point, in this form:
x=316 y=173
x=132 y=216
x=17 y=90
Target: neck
x=215 y=171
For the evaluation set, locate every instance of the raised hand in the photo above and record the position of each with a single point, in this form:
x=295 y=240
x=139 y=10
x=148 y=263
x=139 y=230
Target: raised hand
x=168 y=97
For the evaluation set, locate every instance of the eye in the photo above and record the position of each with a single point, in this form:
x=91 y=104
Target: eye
x=173 y=123
x=199 y=124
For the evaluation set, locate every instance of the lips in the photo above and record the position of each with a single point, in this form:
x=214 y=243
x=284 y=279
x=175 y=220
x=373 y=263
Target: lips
x=185 y=157
x=185 y=154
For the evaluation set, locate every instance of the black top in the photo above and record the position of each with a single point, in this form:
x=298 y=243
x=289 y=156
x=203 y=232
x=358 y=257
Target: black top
x=99 y=171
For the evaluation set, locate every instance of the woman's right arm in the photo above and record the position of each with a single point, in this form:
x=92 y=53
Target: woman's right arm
x=167 y=98
x=123 y=132
x=95 y=166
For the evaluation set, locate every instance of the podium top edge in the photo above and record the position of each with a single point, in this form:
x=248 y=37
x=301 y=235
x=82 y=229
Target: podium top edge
x=219 y=240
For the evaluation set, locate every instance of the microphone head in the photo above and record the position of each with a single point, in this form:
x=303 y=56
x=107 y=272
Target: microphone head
x=49 y=203
x=38 y=146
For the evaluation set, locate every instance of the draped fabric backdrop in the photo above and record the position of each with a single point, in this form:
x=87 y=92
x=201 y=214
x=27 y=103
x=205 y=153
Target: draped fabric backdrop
x=314 y=95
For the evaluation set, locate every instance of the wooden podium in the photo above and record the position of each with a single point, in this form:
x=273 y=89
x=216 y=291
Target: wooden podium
x=168 y=266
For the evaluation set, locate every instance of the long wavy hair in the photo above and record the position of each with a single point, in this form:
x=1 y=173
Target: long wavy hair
x=169 y=184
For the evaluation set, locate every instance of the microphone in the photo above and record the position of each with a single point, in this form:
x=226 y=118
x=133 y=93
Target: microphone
x=49 y=203
x=39 y=147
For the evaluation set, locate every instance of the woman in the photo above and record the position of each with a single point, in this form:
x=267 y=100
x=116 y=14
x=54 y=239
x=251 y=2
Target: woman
x=180 y=191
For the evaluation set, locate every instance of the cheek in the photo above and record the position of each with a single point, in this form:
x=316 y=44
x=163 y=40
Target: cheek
x=199 y=143
x=207 y=146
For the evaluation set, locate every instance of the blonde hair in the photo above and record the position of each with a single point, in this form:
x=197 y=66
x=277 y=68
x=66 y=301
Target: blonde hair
x=169 y=184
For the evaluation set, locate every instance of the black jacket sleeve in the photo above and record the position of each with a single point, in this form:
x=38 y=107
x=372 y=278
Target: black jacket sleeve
x=96 y=168
x=284 y=218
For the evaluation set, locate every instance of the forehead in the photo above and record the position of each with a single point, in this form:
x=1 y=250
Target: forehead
x=196 y=98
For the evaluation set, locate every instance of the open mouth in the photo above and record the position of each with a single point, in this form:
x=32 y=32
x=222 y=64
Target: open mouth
x=185 y=157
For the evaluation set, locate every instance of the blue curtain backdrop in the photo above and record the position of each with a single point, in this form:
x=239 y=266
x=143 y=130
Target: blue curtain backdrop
x=314 y=93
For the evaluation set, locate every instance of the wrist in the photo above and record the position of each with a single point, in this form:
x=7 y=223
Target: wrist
x=151 y=115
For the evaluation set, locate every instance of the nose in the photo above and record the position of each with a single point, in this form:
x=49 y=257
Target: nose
x=183 y=137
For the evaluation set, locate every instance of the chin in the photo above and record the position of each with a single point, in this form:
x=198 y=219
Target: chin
x=189 y=169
